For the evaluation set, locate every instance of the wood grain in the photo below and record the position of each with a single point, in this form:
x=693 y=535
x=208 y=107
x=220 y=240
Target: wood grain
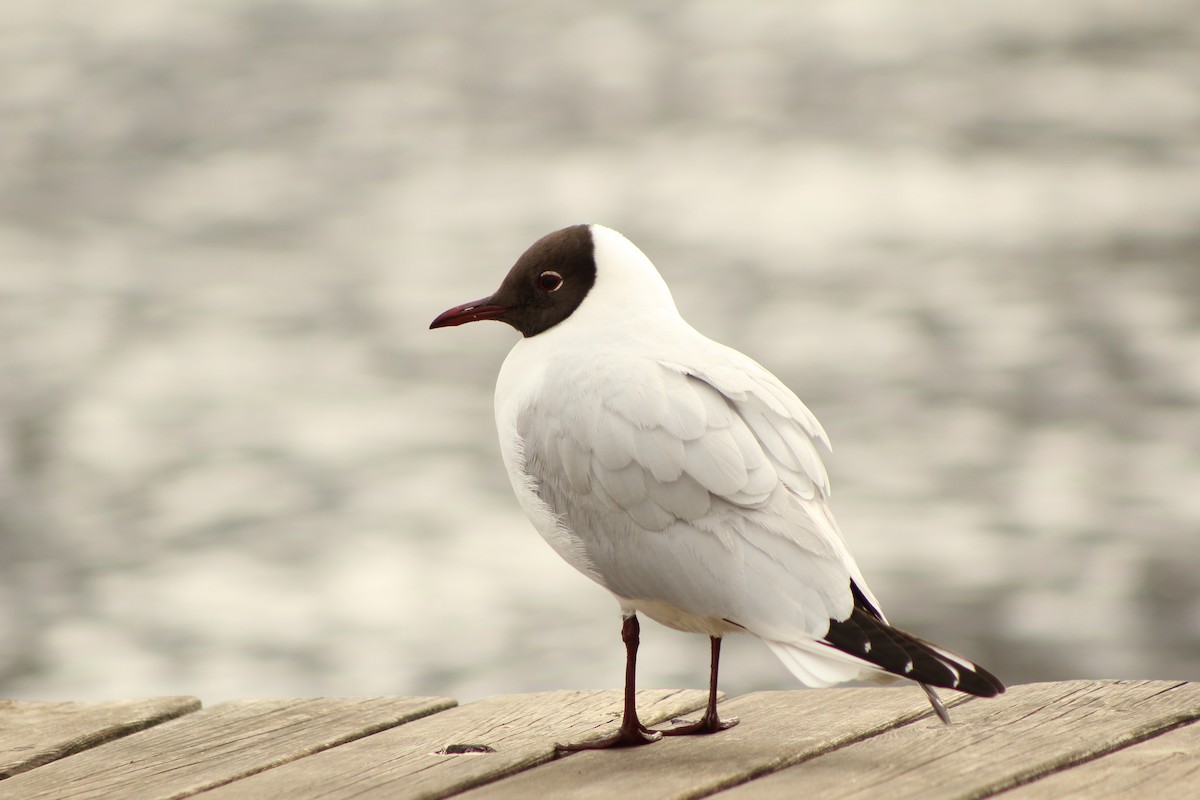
x=36 y=733
x=213 y=746
x=1164 y=766
x=776 y=729
x=1107 y=740
x=406 y=763
x=1033 y=730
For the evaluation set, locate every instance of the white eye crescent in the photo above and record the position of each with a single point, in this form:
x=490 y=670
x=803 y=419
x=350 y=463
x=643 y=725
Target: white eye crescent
x=550 y=281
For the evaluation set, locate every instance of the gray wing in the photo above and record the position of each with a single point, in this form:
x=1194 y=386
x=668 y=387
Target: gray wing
x=698 y=488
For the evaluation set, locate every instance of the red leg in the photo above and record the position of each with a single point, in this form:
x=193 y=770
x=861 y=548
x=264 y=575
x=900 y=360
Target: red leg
x=710 y=722
x=632 y=732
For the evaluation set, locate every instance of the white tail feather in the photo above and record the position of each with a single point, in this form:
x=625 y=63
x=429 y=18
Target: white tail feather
x=818 y=665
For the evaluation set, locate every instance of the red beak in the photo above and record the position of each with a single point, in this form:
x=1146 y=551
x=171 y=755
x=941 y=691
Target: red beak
x=468 y=312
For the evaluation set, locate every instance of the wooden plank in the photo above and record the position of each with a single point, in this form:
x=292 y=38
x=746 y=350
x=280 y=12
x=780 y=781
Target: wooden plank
x=776 y=729
x=36 y=733
x=214 y=746
x=412 y=762
x=1164 y=766
x=1033 y=730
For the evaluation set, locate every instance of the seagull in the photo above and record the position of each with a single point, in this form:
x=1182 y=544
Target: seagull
x=683 y=477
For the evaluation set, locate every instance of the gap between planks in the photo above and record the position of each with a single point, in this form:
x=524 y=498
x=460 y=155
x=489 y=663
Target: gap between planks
x=1038 y=741
x=214 y=746
x=34 y=733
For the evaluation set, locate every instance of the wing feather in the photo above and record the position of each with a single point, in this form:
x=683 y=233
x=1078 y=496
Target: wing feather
x=716 y=463
x=650 y=516
x=627 y=486
x=644 y=402
x=686 y=416
x=661 y=453
x=684 y=498
x=613 y=444
x=698 y=488
x=575 y=463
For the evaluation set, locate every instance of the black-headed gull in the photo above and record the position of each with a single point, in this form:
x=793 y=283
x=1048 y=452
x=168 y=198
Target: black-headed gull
x=682 y=476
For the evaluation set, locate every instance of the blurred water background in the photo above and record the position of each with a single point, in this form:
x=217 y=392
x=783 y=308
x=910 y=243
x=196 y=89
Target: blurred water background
x=234 y=462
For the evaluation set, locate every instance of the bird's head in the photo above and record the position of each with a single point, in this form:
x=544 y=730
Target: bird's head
x=551 y=280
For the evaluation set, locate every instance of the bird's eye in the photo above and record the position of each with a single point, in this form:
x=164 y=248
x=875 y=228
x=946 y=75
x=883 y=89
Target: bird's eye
x=549 y=281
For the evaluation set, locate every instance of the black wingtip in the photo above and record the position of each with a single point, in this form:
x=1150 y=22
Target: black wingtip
x=996 y=686
x=868 y=637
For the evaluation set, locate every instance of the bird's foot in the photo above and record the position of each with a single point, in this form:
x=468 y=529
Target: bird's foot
x=633 y=735
x=709 y=723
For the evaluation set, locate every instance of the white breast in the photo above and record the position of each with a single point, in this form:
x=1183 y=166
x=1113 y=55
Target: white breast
x=520 y=387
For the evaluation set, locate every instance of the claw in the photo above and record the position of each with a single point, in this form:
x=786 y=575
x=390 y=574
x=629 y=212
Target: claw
x=704 y=725
x=633 y=736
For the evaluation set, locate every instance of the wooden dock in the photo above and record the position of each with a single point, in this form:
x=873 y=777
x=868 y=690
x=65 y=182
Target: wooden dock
x=1093 y=739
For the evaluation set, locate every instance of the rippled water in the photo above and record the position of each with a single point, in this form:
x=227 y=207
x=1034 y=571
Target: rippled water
x=234 y=462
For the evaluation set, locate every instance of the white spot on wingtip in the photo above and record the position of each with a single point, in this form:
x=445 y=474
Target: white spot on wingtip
x=908 y=667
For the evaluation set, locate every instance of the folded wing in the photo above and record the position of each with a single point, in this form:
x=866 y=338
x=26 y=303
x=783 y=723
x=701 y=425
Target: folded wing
x=702 y=490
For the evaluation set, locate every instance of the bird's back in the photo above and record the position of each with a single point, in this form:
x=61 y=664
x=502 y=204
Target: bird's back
x=680 y=475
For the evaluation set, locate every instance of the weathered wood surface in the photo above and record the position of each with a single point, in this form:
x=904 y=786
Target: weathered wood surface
x=775 y=729
x=212 y=747
x=1163 y=766
x=405 y=762
x=1029 y=732
x=1110 y=740
x=34 y=733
